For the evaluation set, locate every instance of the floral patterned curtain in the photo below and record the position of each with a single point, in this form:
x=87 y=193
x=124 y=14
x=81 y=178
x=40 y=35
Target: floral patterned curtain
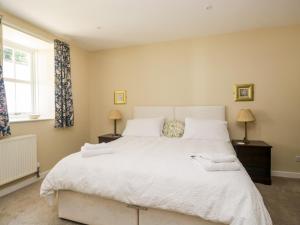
x=64 y=113
x=4 y=120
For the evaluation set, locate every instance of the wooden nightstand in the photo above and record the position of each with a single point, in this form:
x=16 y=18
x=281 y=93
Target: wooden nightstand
x=256 y=158
x=108 y=138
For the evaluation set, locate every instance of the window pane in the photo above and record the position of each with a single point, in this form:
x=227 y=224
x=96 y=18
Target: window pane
x=8 y=69
x=23 y=97
x=21 y=57
x=10 y=96
x=23 y=72
x=7 y=54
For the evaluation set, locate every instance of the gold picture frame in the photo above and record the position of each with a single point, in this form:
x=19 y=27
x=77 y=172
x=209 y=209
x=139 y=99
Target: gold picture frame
x=120 y=97
x=243 y=92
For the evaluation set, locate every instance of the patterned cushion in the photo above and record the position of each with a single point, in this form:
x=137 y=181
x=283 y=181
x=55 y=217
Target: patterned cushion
x=173 y=128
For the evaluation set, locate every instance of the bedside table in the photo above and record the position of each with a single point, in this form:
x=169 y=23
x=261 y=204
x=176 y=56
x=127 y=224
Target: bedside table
x=108 y=138
x=256 y=158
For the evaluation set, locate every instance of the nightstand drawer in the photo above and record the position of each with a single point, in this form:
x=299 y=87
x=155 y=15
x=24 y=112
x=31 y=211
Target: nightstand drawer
x=259 y=175
x=257 y=172
x=254 y=157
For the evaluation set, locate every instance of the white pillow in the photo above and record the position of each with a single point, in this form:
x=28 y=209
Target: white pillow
x=148 y=127
x=206 y=129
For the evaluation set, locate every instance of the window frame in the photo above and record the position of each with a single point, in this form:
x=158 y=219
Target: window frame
x=32 y=81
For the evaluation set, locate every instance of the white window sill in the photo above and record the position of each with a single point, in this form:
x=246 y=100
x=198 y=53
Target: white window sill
x=25 y=120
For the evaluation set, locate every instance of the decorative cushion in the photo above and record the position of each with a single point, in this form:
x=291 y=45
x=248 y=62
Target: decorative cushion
x=173 y=128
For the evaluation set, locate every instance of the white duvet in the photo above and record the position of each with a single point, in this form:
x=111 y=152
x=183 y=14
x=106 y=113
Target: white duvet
x=158 y=173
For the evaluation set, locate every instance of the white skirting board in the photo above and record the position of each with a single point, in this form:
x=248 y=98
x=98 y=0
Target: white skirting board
x=286 y=174
x=31 y=180
x=22 y=184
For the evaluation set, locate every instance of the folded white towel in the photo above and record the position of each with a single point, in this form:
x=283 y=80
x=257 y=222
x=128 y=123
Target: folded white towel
x=211 y=166
x=88 y=146
x=95 y=152
x=216 y=157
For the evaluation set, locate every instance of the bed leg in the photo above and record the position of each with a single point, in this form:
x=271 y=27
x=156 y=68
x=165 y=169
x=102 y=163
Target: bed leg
x=138 y=216
x=38 y=172
x=138 y=208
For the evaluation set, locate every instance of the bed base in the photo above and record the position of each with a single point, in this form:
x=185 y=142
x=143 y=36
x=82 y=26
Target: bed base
x=90 y=209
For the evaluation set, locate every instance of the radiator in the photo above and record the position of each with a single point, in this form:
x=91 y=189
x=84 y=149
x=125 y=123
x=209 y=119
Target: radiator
x=18 y=157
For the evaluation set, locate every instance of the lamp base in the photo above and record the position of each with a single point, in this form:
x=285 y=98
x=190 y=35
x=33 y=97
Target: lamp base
x=115 y=128
x=246 y=141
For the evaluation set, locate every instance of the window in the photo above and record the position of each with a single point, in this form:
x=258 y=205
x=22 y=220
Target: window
x=28 y=71
x=19 y=79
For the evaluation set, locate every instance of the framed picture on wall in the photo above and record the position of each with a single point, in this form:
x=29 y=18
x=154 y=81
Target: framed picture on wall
x=243 y=92
x=120 y=97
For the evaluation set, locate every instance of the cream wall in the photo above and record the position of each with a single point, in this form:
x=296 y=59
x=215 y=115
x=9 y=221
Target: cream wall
x=203 y=72
x=54 y=144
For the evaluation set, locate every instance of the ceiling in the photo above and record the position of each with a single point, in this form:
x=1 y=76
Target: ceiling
x=102 y=24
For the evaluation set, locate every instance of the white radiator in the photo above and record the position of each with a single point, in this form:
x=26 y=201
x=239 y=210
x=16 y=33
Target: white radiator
x=18 y=157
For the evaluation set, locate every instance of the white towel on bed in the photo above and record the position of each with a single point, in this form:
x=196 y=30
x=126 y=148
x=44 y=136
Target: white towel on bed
x=95 y=152
x=88 y=146
x=216 y=157
x=90 y=150
x=212 y=166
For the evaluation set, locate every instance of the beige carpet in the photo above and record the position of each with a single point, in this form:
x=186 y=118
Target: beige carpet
x=25 y=207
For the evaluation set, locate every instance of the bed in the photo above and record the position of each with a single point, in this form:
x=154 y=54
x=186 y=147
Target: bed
x=153 y=181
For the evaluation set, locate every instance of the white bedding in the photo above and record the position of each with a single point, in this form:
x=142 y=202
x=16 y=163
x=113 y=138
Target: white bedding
x=157 y=172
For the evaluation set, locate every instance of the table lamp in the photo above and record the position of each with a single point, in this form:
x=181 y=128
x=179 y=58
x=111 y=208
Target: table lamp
x=115 y=115
x=245 y=115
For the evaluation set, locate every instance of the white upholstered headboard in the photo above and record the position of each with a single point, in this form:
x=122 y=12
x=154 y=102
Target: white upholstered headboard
x=181 y=112
x=200 y=112
x=153 y=111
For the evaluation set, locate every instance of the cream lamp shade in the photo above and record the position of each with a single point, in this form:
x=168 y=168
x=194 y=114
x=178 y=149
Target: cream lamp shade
x=245 y=115
x=115 y=115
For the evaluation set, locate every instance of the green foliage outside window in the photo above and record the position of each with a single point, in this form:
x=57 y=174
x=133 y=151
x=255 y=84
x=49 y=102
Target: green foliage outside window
x=7 y=54
x=20 y=57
